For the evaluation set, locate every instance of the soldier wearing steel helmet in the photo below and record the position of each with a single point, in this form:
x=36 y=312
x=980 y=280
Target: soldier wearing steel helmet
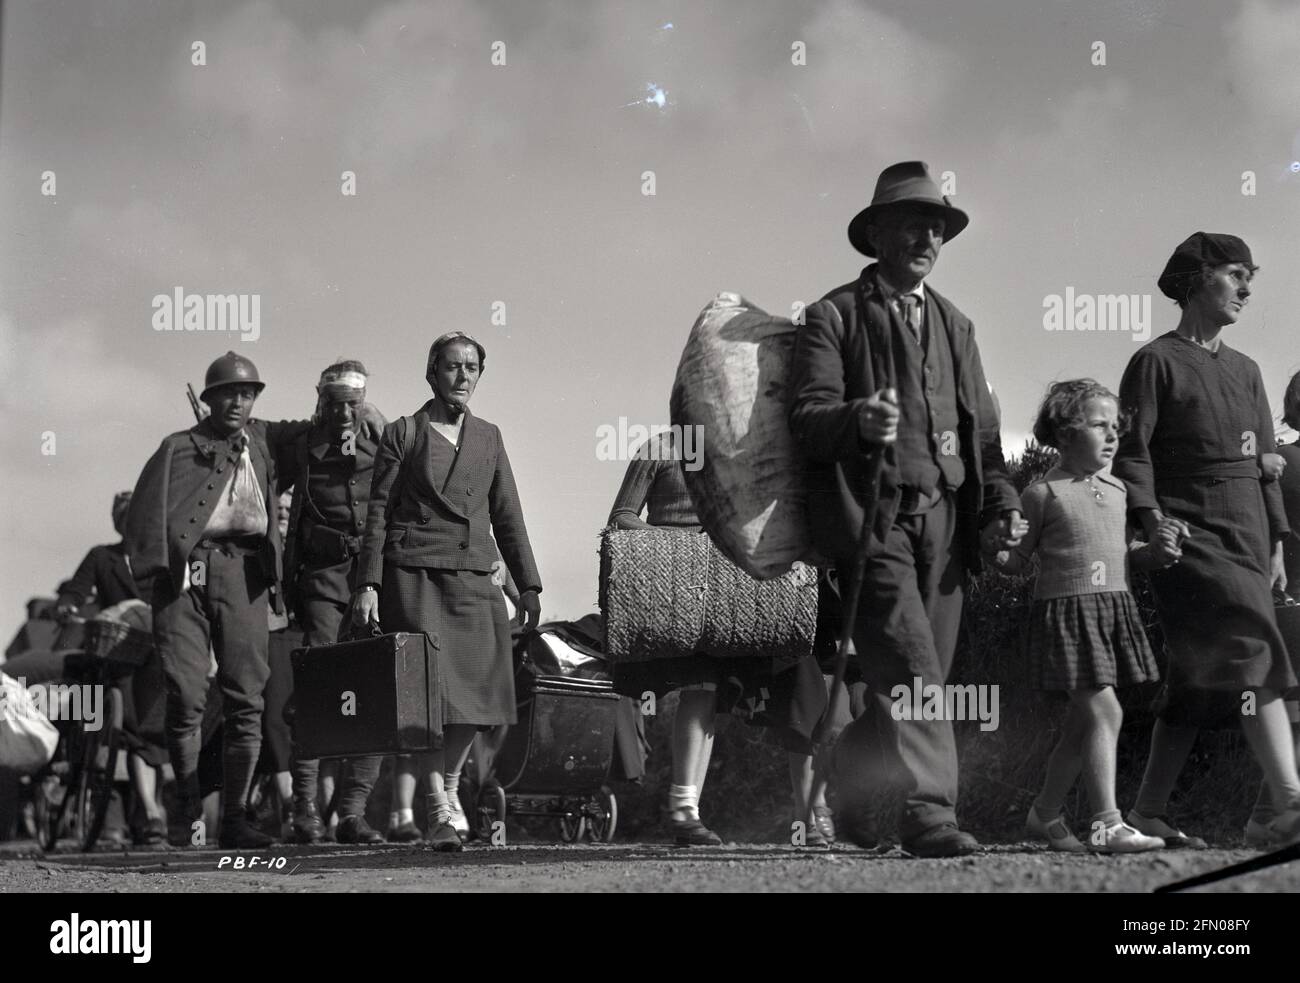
x=205 y=551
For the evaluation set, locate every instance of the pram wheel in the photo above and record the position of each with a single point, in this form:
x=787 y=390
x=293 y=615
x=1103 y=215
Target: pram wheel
x=572 y=826
x=491 y=807
x=602 y=817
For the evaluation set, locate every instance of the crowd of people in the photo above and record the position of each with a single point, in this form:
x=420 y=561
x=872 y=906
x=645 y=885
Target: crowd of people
x=417 y=526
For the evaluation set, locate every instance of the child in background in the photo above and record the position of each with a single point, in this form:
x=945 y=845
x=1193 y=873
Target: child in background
x=1085 y=632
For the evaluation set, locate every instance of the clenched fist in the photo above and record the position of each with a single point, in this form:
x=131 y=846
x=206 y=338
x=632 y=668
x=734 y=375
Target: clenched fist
x=878 y=418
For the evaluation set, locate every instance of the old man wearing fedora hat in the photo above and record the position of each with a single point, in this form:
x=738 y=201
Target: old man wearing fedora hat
x=887 y=372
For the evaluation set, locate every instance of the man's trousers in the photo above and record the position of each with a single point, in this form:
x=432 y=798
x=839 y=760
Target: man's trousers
x=909 y=616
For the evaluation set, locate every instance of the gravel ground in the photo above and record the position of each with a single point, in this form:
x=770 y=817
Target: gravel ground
x=634 y=868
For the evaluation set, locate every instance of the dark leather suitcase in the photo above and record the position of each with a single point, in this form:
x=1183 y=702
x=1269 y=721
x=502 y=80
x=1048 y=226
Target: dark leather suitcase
x=1288 y=622
x=371 y=696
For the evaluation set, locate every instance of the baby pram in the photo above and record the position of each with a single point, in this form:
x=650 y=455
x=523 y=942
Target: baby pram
x=556 y=760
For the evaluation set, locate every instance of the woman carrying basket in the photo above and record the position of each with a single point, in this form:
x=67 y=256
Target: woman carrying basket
x=705 y=684
x=442 y=489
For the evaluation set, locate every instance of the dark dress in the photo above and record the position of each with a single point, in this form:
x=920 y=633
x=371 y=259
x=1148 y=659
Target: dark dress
x=791 y=702
x=466 y=613
x=1199 y=421
x=1289 y=484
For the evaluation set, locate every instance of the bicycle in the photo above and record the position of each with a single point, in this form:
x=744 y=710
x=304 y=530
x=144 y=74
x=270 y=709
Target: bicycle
x=81 y=773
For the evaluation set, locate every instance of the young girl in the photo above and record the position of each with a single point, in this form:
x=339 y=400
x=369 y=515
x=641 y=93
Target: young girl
x=1085 y=632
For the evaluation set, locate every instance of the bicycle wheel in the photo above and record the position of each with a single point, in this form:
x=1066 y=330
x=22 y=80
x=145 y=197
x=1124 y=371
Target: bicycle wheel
x=99 y=763
x=50 y=800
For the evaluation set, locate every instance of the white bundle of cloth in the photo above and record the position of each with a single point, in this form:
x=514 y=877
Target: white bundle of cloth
x=27 y=738
x=733 y=386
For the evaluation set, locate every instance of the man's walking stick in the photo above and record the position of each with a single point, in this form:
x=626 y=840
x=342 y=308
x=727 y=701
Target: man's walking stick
x=875 y=464
x=849 y=609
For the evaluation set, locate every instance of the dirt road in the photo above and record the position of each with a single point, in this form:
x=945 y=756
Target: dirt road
x=641 y=867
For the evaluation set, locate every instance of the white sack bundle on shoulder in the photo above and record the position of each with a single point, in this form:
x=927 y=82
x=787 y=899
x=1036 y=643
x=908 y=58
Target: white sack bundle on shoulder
x=27 y=738
x=748 y=481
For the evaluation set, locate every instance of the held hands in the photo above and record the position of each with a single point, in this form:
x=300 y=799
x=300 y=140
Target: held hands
x=878 y=418
x=1164 y=551
x=1164 y=546
x=1003 y=534
x=1272 y=466
x=1168 y=539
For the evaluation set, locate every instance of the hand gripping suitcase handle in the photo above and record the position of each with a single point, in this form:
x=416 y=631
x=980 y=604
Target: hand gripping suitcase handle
x=348 y=632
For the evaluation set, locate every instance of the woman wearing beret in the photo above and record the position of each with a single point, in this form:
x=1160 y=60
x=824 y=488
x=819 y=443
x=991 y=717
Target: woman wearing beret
x=1201 y=425
x=442 y=489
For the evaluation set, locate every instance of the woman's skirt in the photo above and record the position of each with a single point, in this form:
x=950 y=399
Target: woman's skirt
x=1216 y=604
x=1089 y=641
x=464 y=615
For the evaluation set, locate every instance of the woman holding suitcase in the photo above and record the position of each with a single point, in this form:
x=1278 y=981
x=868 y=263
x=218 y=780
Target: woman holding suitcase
x=442 y=490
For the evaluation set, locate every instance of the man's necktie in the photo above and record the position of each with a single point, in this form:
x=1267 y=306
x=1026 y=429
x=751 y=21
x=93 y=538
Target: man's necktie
x=910 y=306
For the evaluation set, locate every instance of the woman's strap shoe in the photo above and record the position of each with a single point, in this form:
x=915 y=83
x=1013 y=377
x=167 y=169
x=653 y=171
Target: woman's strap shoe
x=824 y=820
x=692 y=832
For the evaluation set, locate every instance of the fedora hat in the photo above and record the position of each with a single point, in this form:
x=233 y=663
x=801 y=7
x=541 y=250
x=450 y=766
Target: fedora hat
x=908 y=183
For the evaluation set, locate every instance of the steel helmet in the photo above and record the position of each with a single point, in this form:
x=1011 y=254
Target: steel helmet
x=229 y=369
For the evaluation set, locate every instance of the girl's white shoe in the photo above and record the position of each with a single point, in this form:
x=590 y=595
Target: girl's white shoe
x=1055 y=832
x=1122 y=838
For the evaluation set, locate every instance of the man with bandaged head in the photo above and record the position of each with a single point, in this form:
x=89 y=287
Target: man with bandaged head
x=329 y=468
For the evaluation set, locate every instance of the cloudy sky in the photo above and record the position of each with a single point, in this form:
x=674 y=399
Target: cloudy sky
x=522 y=184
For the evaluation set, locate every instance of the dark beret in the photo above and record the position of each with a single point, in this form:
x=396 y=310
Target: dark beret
x=1197 y=250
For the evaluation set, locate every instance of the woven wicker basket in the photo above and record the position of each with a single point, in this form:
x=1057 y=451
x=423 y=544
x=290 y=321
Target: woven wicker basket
x=668 y=593
x=117 y=642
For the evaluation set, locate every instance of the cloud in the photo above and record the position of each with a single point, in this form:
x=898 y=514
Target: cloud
x=141 y=238
x=76 y=381
x=414 y=86
x=870 y=79
x=383 y=95
x=1263 y=52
